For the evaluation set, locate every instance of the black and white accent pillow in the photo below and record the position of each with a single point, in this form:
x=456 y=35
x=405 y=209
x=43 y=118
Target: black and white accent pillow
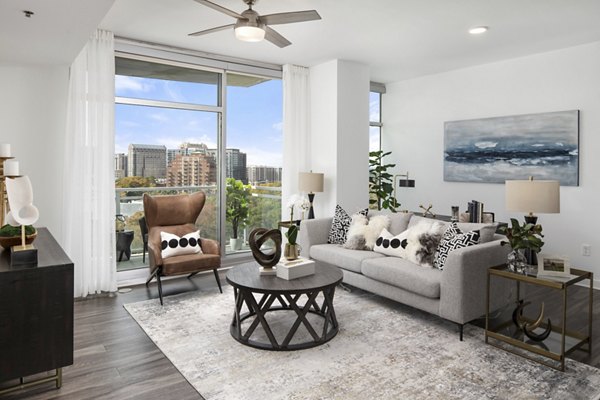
x=173 y=245
x=341 y=224
x=391 y=245
x=454 y=239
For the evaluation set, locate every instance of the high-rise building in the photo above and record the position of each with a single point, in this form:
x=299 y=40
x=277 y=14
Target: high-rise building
x=235 y=163
x=120 y=165
x=192 y=170
x=186 y=149
x=263 y=174
x=147 y=160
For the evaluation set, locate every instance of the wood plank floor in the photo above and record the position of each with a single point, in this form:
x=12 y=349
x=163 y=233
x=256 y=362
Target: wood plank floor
x=114 y=359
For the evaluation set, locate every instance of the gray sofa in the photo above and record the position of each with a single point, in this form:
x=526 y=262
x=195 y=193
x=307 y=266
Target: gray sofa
x=456 y=293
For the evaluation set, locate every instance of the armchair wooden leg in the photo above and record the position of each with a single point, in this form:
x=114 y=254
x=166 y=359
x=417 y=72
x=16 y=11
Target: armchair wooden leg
x=159 y=287
x=460 y=328
x=218 y=281
x=192 y=274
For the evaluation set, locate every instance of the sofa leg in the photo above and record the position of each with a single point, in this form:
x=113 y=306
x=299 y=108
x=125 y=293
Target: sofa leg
x=345 y=288
x=218 y=281
x=460 y=329
x=192 y=274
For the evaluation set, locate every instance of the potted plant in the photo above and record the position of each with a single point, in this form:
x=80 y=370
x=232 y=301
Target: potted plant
x=521 y=237
x=381 y=185
x=238 y=196
x=11 y=235
x=292 y=249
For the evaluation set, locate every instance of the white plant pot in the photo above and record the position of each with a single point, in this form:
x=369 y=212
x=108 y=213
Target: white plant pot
x=236 y=244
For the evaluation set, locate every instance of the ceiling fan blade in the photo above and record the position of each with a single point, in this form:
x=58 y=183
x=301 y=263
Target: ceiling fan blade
x=219 y=8
x=274 y=37
x=289 y=17
x=211 y=30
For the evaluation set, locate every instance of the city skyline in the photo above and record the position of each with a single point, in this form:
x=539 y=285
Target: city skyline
x=253 y=125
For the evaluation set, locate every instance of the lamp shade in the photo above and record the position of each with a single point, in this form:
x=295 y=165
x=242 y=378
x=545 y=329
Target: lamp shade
x=533 y=196
x=311 y=182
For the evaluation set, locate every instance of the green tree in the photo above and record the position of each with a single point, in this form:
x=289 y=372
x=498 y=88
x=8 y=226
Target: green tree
x=238 y=204
x=134 y=182
x=381 y=182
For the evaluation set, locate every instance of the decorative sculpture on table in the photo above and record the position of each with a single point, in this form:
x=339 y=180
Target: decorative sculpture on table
x=22 y=212
x=529 y=327
x=269 y=258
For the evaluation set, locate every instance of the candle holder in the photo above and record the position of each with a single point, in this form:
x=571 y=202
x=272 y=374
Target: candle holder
x=3 y=198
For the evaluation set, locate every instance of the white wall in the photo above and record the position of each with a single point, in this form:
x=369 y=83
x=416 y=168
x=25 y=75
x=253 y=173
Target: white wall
x=340 y=134
x=32 y=119
x=414 y=112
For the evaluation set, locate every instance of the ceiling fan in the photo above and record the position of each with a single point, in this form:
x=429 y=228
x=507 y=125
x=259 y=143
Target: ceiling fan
x=252 y=27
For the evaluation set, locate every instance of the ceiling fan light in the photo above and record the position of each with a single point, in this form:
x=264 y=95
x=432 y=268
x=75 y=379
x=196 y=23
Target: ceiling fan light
x=249 y=33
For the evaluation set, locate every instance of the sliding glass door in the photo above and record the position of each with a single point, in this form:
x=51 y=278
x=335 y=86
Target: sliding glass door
x=171 y=137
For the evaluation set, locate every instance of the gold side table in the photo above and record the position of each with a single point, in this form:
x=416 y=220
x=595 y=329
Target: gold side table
x=561 y=340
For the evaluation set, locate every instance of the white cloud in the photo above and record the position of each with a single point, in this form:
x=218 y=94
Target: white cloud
x=130 y=83
x=278 y=126
x=160 y=117
x=173 y=93
x=374 y=111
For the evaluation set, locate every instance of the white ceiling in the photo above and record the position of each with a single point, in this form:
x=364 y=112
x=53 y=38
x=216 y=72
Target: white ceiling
x=54 y=35
x=399 y=39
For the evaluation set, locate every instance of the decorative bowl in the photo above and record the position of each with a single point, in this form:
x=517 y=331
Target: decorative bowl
x=8 y=241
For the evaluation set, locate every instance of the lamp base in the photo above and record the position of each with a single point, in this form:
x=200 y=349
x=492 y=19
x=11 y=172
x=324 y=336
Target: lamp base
x=311 y=211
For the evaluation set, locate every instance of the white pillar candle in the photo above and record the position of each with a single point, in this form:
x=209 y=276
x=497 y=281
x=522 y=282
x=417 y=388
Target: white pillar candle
x=4 y=150
x=11 y=168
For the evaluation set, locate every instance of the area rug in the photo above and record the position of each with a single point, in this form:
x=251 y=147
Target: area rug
x=383 y=350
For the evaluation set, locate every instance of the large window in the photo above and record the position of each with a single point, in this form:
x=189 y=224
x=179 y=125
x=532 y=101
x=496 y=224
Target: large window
x=375 y=124
x=179 y=128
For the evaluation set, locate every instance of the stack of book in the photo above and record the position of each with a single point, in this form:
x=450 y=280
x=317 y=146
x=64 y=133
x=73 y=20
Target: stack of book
x=297 y=268
x=476 y=214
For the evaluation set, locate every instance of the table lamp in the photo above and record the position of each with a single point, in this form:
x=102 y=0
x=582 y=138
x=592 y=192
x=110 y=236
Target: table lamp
x=532 y=197
x=310 y=182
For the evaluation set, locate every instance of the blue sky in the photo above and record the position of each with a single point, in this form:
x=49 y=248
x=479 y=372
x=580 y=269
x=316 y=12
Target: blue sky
x=254 y=117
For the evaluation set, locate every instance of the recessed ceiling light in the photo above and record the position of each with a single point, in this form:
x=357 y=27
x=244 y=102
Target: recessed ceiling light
x=478 y=30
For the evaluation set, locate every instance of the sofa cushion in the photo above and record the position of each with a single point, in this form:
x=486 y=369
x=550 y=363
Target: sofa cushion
x=398 y=220
x=391 y=245
x=340 y=225
x=404 y=274
x=367 y=228
x=487 y=231
x=340 y=257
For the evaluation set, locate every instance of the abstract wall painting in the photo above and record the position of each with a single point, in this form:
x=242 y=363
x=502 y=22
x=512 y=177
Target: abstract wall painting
x=493 y=150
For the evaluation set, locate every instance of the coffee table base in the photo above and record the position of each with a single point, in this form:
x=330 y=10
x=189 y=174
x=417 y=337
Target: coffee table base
x=286 y=302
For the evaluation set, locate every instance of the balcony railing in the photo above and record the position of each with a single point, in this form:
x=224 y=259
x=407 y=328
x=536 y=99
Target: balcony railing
x=265 y=211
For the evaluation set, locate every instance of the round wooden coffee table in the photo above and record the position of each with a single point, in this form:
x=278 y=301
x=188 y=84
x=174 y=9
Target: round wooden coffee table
x=310 y=294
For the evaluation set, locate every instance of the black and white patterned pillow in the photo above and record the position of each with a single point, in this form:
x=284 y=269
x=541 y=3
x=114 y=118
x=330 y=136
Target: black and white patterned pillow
x=341 y=224
x=173 y=245
x=454 y=239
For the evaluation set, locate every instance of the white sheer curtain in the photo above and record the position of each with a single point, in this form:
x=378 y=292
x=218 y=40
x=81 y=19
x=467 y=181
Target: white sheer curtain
x=89 y=206
x=296 y=130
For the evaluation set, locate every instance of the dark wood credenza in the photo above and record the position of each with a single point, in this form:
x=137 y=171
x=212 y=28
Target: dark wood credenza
x=36 y=314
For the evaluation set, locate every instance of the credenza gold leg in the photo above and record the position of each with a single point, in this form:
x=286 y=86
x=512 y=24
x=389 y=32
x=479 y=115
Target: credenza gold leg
x=57 y=378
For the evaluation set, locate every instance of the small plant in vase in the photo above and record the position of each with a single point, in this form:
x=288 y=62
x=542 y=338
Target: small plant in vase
x=291 y=247
x=521 y=237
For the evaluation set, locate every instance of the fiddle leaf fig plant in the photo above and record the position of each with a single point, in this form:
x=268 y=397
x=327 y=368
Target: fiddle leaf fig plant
x=381 y=182
x=525 y=236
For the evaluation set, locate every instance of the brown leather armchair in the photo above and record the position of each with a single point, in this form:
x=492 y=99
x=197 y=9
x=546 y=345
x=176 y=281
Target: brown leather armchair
x=177 y=215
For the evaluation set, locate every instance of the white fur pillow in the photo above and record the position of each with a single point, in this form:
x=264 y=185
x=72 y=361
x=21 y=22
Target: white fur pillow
x=423 y=240
x=367 y=228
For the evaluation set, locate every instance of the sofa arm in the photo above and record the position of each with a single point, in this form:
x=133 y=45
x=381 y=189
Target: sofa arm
x=313 y=231
x=464 y=280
